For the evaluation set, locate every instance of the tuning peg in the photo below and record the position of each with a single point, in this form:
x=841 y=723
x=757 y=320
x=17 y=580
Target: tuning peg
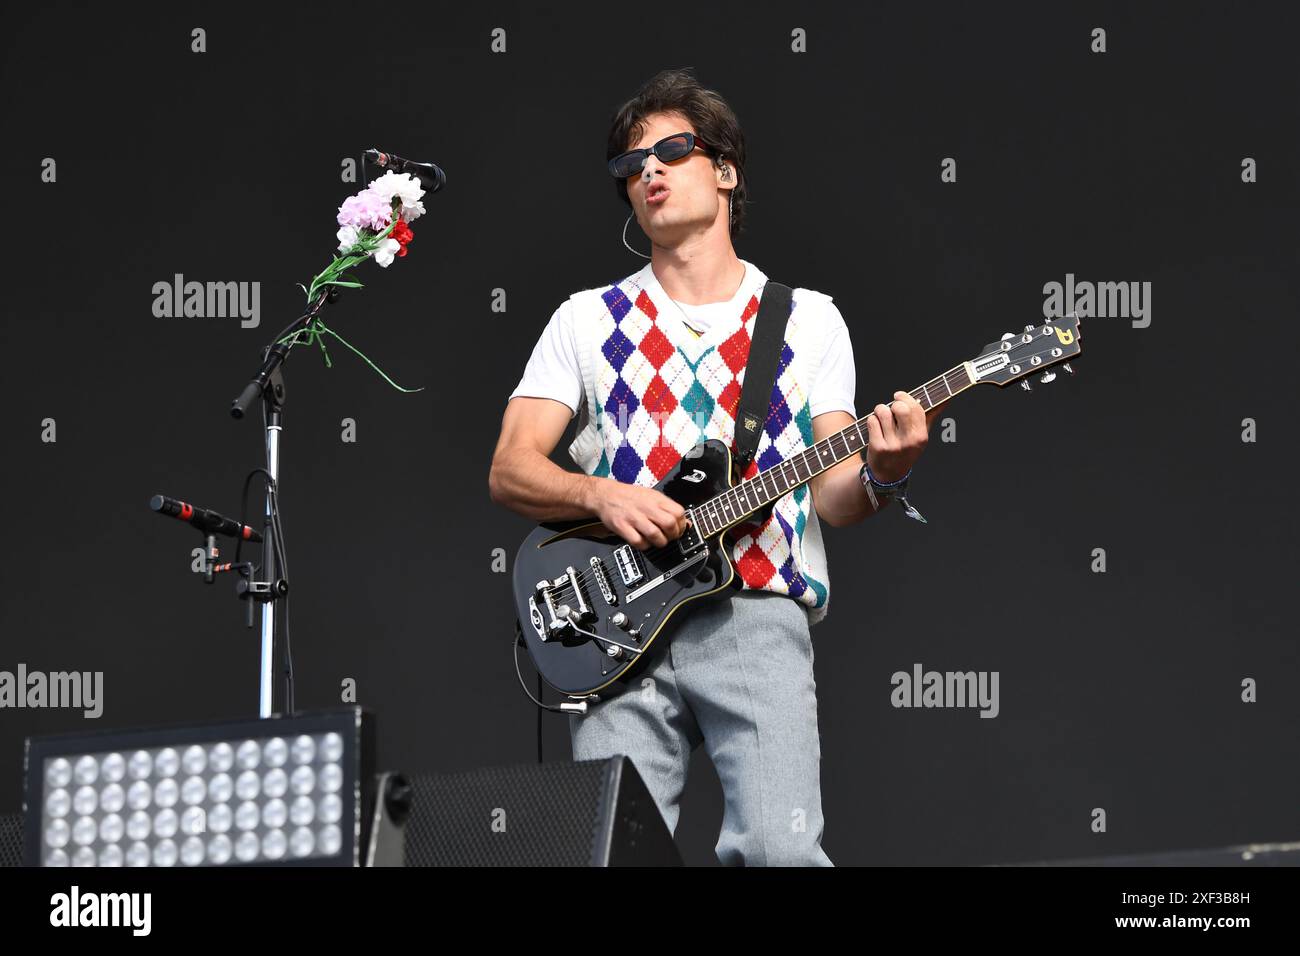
x=1009 y=335
x=1047 y=377
x=1066 y=366
x=1024 y=383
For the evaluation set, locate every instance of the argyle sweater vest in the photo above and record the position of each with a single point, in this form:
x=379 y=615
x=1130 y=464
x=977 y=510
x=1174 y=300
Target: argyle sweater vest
x=653 y=390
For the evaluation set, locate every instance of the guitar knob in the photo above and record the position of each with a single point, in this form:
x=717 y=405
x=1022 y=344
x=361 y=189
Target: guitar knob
x=614 y=651
x=620 y=620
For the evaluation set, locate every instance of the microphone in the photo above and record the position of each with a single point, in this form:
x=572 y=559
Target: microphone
x=209 y=522
x=433 y=177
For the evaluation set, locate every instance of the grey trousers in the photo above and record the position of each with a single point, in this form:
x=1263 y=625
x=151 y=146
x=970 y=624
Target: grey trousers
x=737 y=676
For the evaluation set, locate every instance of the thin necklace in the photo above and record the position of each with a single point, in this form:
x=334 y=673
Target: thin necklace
x=686 y=319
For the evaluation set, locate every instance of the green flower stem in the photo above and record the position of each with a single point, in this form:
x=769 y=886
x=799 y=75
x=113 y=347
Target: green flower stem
x=333 y=273
x=316 y=331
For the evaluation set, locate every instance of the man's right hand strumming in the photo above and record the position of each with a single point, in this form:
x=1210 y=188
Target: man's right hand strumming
x=643 y=517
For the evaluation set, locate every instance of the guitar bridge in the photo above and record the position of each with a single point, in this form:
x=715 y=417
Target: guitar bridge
x=602 y=581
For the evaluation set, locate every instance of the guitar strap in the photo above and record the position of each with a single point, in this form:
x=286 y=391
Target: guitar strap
x=760 y=370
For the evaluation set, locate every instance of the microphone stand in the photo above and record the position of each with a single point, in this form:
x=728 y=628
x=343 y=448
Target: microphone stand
x=268 y=384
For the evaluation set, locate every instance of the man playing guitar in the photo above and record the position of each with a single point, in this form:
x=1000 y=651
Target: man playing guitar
x=653 y=363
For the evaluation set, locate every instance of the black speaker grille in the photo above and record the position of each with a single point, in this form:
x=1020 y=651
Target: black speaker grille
x=11 y=839
x=526 y=815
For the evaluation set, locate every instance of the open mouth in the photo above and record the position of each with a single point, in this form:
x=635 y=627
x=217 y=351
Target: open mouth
x=656 y=195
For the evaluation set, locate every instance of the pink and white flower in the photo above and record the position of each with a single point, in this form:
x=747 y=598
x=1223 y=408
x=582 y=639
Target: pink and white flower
x=366 y=210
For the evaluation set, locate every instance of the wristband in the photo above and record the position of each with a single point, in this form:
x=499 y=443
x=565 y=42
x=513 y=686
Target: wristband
x=866 y=469
x=883 y=491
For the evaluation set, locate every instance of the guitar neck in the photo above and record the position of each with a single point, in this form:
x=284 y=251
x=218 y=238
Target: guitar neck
x=741 y=500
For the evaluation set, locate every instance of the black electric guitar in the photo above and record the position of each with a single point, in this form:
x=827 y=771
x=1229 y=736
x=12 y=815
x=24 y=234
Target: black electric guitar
x=590 y=605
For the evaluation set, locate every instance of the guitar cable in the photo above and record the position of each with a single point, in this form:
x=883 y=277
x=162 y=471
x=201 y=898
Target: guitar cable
x=579 y=708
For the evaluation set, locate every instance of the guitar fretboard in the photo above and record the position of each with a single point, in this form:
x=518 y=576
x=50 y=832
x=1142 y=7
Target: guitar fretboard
x=741 y=500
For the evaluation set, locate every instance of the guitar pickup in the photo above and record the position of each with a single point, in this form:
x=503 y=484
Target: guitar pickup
x=629 y=567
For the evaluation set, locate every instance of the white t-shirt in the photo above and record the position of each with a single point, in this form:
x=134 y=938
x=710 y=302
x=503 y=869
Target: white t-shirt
x=553 y=371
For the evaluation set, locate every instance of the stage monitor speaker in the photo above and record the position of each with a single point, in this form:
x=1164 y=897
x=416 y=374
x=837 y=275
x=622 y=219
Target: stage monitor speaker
x=11 y=839
x=587 y=813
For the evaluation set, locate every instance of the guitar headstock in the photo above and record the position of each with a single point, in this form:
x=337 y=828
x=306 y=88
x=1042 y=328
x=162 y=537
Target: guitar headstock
x=1019 y=355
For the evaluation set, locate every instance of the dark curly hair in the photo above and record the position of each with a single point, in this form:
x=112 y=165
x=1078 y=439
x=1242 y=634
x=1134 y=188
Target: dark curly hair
x=678 y=91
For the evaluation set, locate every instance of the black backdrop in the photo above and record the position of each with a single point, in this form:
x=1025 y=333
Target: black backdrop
x=1119 y=690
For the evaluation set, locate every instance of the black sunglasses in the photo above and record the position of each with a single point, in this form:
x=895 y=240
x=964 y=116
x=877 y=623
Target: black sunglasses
x=667 y=149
